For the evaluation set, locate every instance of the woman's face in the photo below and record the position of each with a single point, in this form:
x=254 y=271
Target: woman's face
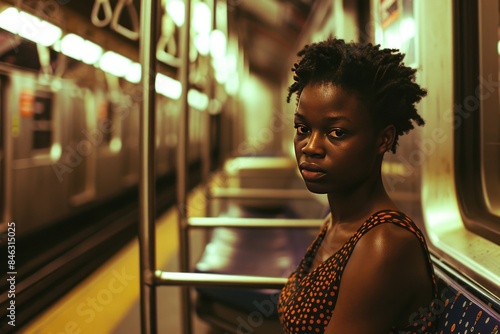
x=336 y=145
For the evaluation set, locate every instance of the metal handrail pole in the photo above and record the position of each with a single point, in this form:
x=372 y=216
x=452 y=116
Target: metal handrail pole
x=207 y=122
x=254 y=193
x=222 y=280
x=182 y=148
x=147 y=168
x=209 y=222
x=449 y=275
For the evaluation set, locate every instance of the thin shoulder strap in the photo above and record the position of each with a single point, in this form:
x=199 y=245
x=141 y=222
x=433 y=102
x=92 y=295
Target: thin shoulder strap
x=402 y=220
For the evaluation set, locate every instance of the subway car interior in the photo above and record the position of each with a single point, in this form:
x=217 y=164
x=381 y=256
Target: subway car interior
x=147 y=173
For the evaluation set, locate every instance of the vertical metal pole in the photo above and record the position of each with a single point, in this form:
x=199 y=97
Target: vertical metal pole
x=147 y=167
x=207 y=123
x=7 y=160
x=182 y=168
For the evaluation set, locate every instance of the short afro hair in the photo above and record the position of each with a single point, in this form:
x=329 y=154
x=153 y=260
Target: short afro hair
x=377 y=76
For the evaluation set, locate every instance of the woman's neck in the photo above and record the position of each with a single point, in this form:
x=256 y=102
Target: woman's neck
x=359 y=204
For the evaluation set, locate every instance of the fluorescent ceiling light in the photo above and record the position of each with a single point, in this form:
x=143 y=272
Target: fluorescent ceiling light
x=218 y=44
x=72 y=46
x=202 y=44
x=9 y=20
x=78 y=48
x=36 y=30
x=91 y=52
x=29 y=27
x=133 y=73
x=202 y=19
x=197 y=100
x=168 y=87
x=176 y=10
x=113 y=63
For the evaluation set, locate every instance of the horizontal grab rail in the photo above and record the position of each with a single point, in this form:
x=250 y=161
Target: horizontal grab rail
x=447 y=274
x=260 y=176
x=222 y=280
x=248 y=193
x=205 y=222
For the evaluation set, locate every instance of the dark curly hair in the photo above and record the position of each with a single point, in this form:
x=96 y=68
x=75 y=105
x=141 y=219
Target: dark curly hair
x=377 y=76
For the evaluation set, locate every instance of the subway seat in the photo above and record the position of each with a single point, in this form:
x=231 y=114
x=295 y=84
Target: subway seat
x=461 y=312
x=276 y=252
x=273 y=252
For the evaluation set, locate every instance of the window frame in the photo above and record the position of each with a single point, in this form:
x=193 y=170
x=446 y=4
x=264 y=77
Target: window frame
x=467 y=138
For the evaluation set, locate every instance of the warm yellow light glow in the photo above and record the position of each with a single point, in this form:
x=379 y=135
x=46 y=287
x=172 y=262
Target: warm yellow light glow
x=134 y=73
x=202 y=25
x=202 y=19
x=221 y=69
x=91 y=52
x=78 y=48
x=197 y=99
x=218 y=44
x=9 y=20
x=231 y=62
x=168 y=87
x=407 y=29
x=38 y=31
x=233 y=83
x=221 y=15
x=202 y=44
x=114 y=63
x=55 y=152
x=176 y=10
x=115 y=145
x=72 y=46
x=29 y=27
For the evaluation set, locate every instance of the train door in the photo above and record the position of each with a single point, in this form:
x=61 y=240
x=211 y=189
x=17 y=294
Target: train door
x=83 y=140
x=3 y=137
x=130 y=133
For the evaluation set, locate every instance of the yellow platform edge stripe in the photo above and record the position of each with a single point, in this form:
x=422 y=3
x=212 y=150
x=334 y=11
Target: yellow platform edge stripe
x=98 y=304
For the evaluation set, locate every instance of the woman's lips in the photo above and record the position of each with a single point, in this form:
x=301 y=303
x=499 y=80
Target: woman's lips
x=311 y=171
x=311 y=175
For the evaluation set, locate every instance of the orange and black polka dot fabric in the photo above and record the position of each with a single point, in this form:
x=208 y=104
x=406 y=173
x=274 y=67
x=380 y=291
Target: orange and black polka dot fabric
x=462 y=313
x=308 y=298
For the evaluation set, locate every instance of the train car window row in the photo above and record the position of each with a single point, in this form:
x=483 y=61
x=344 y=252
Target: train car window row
x=42 y=121
x=490 y=120
x=477 y=151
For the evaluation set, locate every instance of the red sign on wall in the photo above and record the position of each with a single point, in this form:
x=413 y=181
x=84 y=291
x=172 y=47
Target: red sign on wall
x=26 y=103
x=389 y=12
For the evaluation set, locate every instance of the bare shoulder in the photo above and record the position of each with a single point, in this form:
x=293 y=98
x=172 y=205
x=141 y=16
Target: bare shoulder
x=389 y=242
x=385 y=279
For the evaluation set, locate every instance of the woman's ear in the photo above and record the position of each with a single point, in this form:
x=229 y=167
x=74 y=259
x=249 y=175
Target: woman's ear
x=386 y=138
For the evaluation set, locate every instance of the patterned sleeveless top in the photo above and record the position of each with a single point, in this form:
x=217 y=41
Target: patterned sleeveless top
x=300 y=314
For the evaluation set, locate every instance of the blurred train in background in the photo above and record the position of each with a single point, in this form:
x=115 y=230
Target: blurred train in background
x=70 y=100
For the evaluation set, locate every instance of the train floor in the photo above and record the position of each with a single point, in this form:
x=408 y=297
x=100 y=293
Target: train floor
x=108 y=300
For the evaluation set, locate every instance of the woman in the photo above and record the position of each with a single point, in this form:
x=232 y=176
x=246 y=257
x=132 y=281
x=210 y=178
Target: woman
x=368 y=271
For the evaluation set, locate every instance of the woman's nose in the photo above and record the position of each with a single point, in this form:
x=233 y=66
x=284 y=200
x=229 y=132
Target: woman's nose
x=314 y=146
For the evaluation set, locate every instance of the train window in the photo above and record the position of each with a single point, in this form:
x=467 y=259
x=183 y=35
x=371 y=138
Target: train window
x=477 y=117
x=490 y=120
x=108 y=117
x=397 y=27
x=110 y=113
x=42 y=121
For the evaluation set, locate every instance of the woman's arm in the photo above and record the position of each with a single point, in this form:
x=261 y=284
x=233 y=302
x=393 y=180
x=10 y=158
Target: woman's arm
x=384 y=281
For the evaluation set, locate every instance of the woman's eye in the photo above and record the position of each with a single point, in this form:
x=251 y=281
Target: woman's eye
x=337 y=133
x=301 y=129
